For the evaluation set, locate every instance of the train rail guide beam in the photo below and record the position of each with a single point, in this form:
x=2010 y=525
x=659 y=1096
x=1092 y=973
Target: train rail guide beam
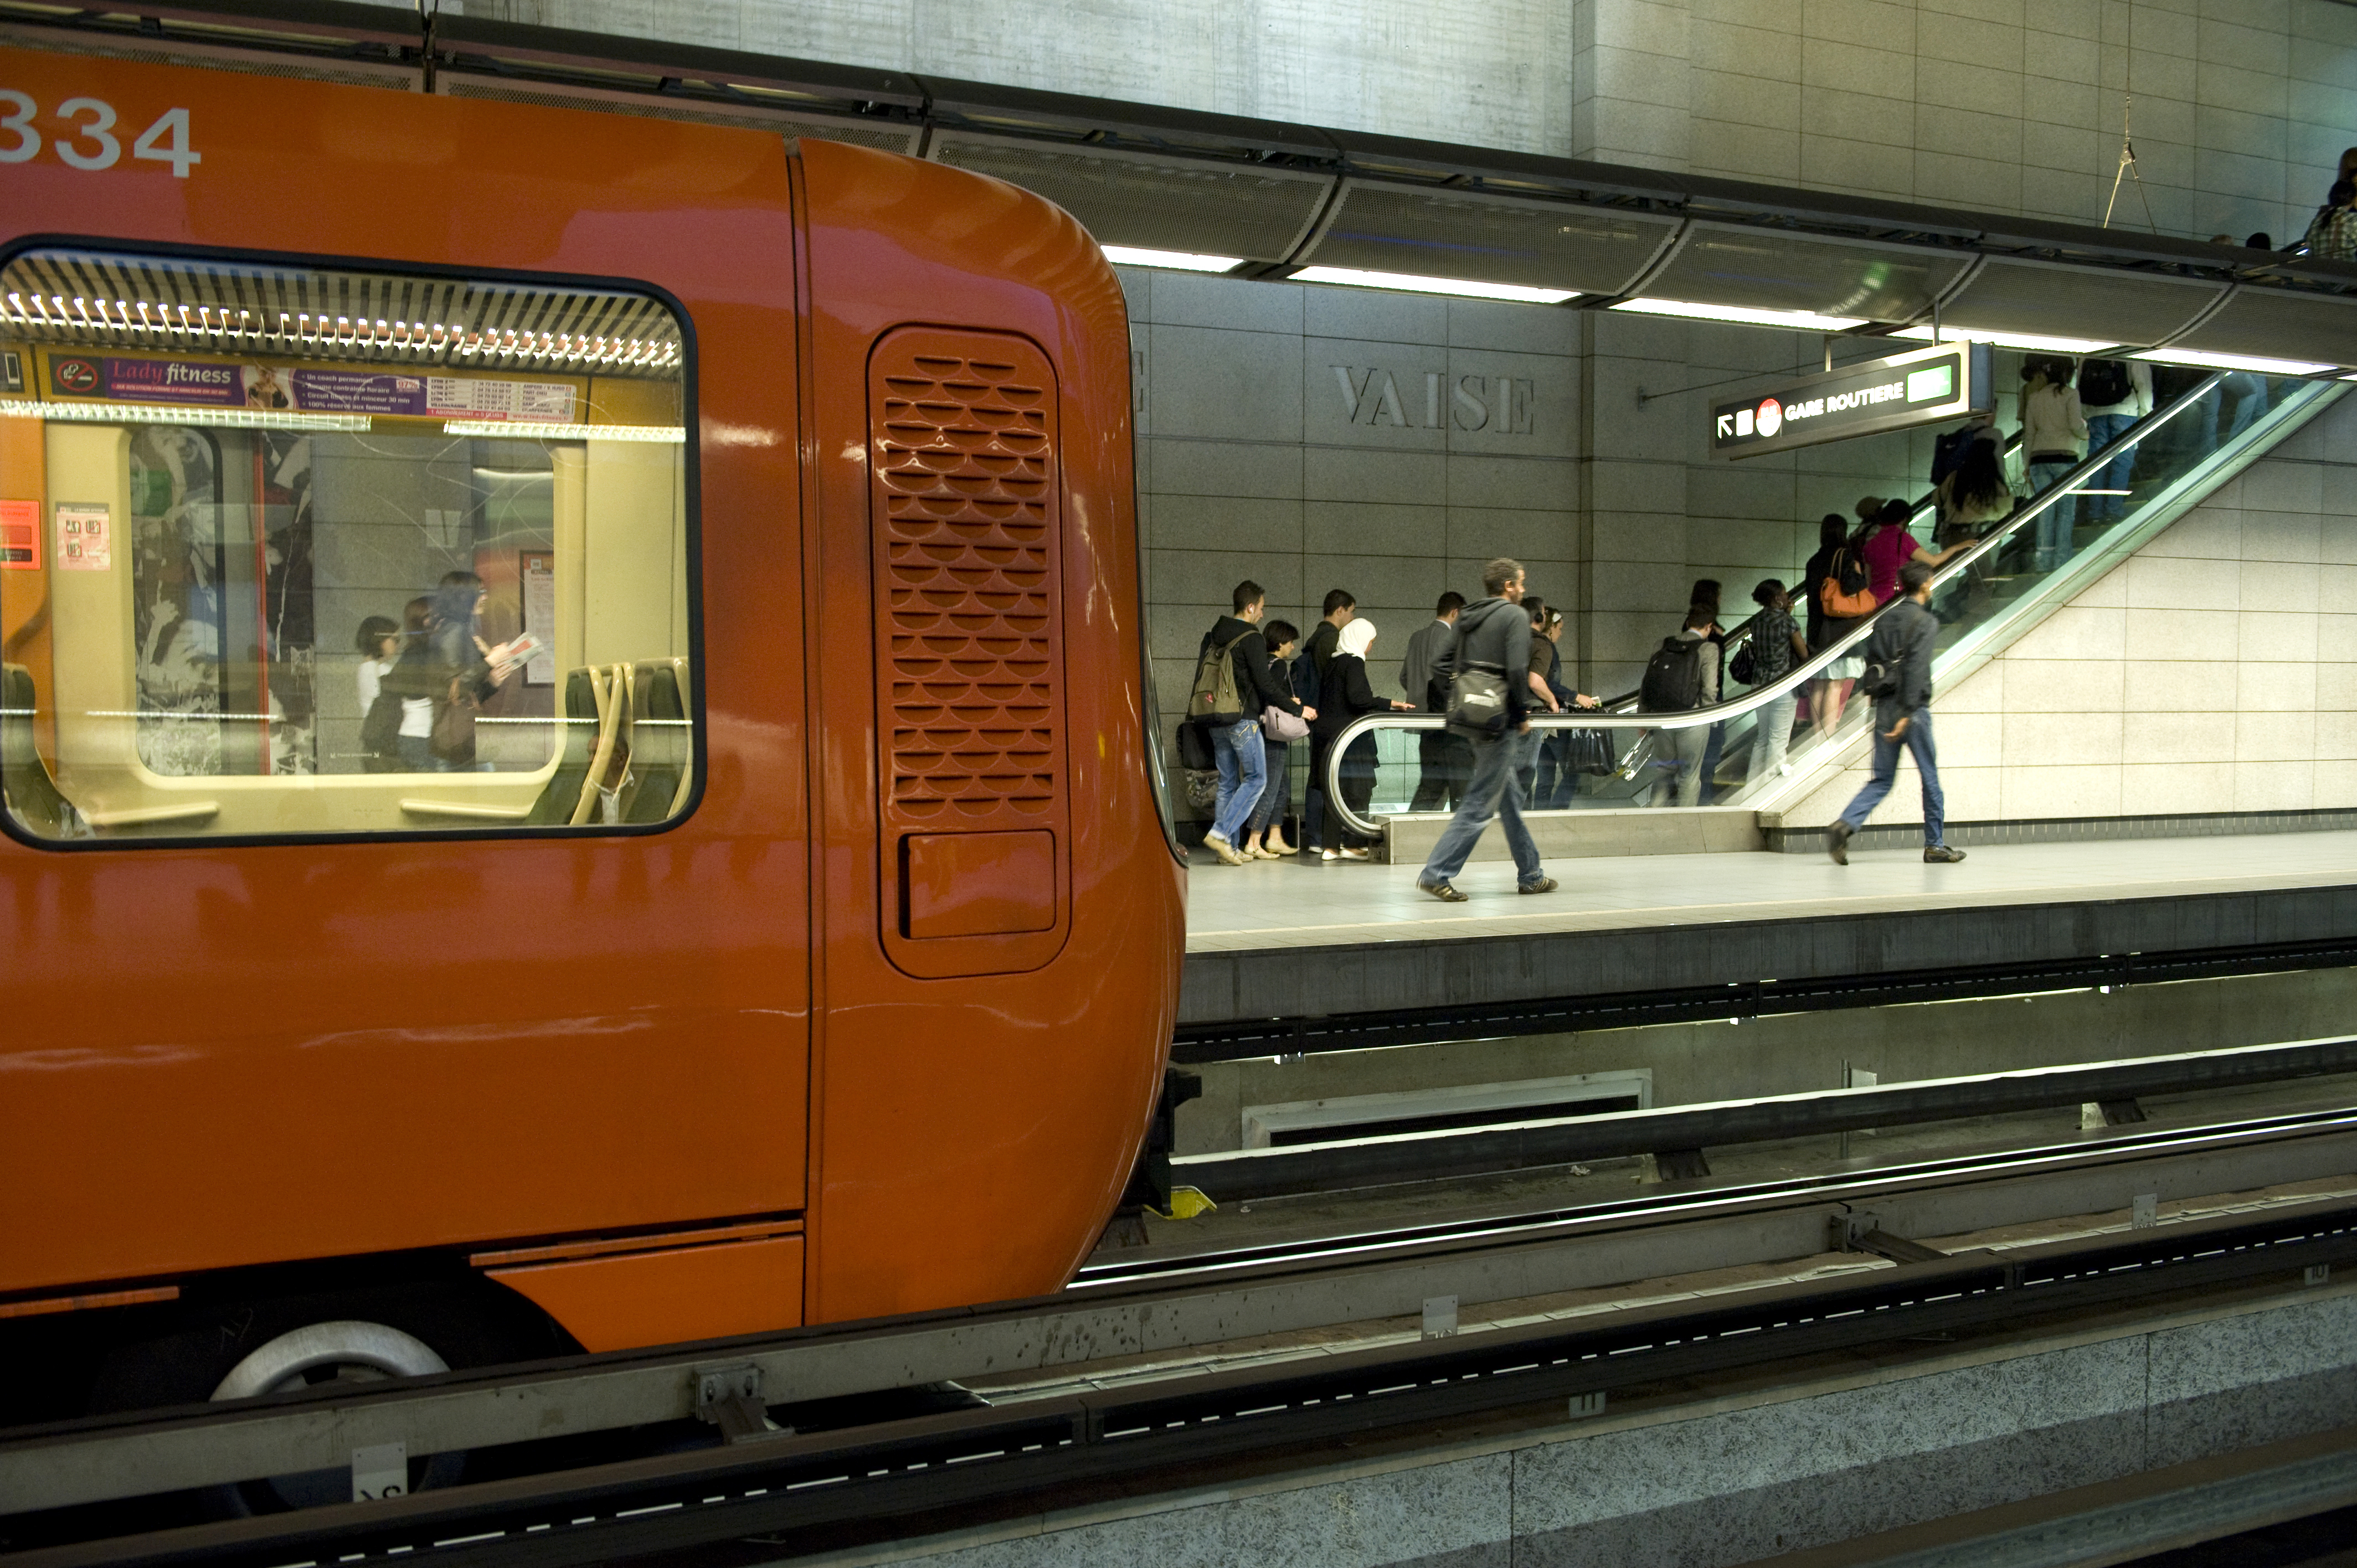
x=1678 y=1136
x=681 y=1500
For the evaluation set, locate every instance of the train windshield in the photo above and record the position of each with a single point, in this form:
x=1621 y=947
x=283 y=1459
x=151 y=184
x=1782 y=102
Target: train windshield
x=319 y=551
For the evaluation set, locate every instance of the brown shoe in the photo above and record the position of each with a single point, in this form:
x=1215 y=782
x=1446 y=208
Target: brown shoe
x=1943 y=855
x=1544 y=884
x=1837 y=842
x=1446 y=892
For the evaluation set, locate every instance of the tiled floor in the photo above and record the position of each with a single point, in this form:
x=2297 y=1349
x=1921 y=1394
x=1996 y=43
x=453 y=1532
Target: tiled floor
x=1296 y=903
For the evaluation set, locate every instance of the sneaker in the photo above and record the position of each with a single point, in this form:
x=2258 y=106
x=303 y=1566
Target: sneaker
x=1223 y=848
x=1544 y=884
x=1357 y=854
x=1443 y=891
x=1943 y=855
x=1837 y=842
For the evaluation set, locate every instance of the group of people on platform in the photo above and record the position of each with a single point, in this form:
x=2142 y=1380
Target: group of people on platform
x=1260 y=686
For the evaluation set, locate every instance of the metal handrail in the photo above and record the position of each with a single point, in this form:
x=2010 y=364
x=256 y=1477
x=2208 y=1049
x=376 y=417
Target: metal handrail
x=1809 y=669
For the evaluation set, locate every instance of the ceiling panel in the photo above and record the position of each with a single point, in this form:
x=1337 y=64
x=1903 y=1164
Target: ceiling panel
x=1489 y=239
x=1773 y=269
x=2104 y=306
x=1163 y=204
x=2280 y=325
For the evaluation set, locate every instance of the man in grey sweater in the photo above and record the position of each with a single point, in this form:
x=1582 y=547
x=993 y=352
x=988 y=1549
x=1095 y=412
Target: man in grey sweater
x=1493 y=637
x=1901 y=646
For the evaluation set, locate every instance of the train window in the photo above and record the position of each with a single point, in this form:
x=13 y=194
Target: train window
x=290 y=550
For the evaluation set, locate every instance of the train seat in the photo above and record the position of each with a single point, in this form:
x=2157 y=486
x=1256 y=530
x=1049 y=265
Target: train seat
x=31 y=794
x=580 y=732
x=662 y=745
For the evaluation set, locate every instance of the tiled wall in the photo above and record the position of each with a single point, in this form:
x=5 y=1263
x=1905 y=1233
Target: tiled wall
x=2214 y=670
x=1317 y=438
x=2240 y=107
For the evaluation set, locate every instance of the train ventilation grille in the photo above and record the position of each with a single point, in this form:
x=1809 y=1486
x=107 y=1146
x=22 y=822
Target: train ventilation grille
x=965 y=464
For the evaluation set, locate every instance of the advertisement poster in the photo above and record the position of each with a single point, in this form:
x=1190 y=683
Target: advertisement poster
x=20 y=536
x=539 y=615
x=205 y=383
x=85 y=539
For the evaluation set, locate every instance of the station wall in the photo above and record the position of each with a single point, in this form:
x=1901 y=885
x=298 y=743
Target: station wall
x=2213 y=670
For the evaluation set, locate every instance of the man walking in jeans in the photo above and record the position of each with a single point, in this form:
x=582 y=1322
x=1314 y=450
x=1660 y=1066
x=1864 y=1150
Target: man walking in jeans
x=1899 y=679
x=1493 y=639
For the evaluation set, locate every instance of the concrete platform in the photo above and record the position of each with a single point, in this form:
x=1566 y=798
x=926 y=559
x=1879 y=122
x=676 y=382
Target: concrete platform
x=1303 y=939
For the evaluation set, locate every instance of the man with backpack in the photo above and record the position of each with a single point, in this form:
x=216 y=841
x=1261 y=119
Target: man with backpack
x=1482 y=668
x=2112 y=394
x=1683 y=675
x=1233 y=684
x=1899 y=679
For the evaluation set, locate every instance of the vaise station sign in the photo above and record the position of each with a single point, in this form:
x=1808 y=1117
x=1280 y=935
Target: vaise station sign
x=1925 y=387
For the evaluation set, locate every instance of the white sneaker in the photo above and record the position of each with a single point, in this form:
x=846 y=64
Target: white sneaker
x=1223 y=848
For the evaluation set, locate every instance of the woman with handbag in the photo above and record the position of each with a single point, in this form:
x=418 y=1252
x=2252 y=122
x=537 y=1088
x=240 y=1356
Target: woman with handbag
x=1264 y=829
x=1344 y=696
x=1839 y=598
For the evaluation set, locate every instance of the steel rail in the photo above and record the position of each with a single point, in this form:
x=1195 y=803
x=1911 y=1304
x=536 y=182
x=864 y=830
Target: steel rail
x=1681 y=1133
x=1206 y=1300
x=876 y=1476
x=1814 y=667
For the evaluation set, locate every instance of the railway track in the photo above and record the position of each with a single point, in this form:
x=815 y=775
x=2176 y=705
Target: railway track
x=1032 y=1442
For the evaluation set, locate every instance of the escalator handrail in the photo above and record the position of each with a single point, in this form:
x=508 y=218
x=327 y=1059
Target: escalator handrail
x=1809 y=669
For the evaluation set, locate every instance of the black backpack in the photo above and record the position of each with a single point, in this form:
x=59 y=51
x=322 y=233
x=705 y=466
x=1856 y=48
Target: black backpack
x=1948 y=451
x=1672 y=680
x=2103 y=382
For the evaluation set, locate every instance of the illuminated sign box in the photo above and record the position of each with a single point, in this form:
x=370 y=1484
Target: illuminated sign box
x=1927 y=386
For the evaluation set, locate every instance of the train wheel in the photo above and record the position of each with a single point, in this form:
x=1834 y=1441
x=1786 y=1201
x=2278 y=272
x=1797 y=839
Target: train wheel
x=346 y=1350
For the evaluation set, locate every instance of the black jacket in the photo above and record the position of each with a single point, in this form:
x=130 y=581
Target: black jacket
x=1258 y=682
x=1902 y=640
x=1344 y=696
x=1319 y=648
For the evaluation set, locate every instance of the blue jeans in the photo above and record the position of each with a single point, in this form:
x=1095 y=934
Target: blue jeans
x=1274 y=793
x=1244 y=769
x=2055 y=523
x=1493 y=792
x=1918 y=742
x=2103 y=429
x=1772 y=734
x=2250 y=390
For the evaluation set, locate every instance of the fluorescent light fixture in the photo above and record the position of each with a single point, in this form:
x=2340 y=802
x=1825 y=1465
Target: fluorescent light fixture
x=2029 y=340
x=1796 y=321
x=1177 y=260
x=2209 y=361
x=1408 y=283
x=533 y=430
x=172 y=413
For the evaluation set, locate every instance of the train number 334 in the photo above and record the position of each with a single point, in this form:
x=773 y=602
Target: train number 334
x=92 y=144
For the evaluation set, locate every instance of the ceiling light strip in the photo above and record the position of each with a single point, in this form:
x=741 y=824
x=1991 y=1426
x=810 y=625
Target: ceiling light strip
x=174 y=413
x=532 y=430
x=2204 y=360
x=1745 y=314
x=1409 y=282
x=1174 y=261
x=2031 y=341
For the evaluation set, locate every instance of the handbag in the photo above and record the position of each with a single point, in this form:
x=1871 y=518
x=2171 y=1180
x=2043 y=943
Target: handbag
x=1275 y=723
x=453 y=738
x=1477 y=700
x=1842 y=606
x=1589 y=751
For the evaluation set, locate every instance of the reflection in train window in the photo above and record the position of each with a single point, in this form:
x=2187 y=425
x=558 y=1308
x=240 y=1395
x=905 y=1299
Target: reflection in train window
x=305 y=551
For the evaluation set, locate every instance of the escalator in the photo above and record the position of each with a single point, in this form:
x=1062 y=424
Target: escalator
x=2099 y=513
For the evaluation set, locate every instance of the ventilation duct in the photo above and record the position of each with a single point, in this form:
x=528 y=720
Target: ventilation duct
x=1155 y=203
x=1487 y=239
x=2054 y=300
x=1773 y=269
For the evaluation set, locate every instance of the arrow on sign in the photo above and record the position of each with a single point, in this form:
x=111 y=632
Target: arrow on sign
x=1725 y=424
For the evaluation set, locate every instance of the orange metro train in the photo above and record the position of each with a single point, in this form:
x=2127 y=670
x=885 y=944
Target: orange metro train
x=575 y=739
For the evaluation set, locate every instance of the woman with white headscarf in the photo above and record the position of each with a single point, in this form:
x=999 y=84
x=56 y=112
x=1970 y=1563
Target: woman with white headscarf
x=1344 y=696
